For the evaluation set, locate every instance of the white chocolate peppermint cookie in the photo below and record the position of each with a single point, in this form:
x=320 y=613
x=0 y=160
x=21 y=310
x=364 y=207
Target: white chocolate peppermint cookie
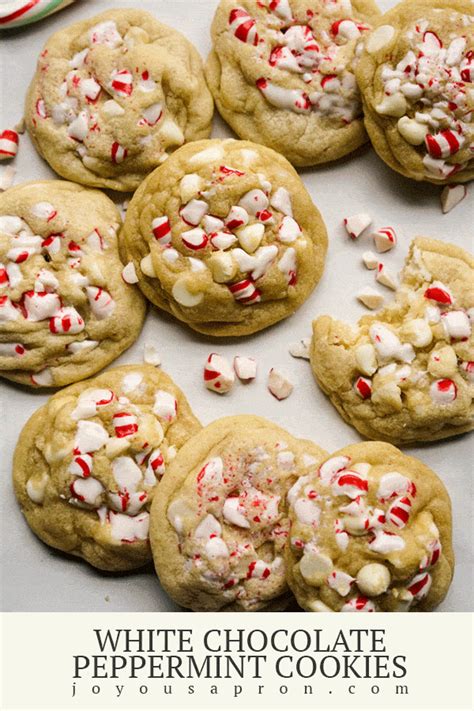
x=219 y=521
x=87 y=463
x=416 y=76
x=113 y=95
x=282 y=74
x=225 y=237
x=370 y=532
x=405 y=374
x=65 y=310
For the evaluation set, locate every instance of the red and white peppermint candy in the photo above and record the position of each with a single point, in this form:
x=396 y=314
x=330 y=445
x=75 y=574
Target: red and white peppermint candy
x=456 y=324
x=218 y=374
x=293 y=99
x=467 y=366
x=8 y=312
x=289 y=230
x=363 y=388
x=8 y=144
x=151 y=115
x=118 y=153
x=105 y=33
x=335 y=465
x=90 y=89
x=90 y=437
x=122 y=82
x=386 y=542
x=129 y=529
x=431 y=41
x=40 y=108
x=125 y=424
x=283 y=58
x=79 y=128
x=165 y=405
x=155 y=467
x=52 y=244
x=161 y=229
x=40 y=305
x=195 y=239
x=444 y=144
x=467 y=67
x=258 y=569
x=340 y=582
x=350 y=483
x=81 y=465
x=358 y=604
x=288 y=264
x=14 y=350
x=87 y=491
x=347 y=29
x=101 y=303
x=433 y=555
x=44 y=211
x=237 y=217
x=279 y=385
x=193 y=212
x=420 y=586
x=394 y=484
x=399 y=512
x=254 y=201
x=243 y=26
x=222 y=240
x=443 y=392
x=67 y=320
x=356 y=224
x=440 y=293
x=245 y=291
x=385 y=239
x=341 y=536
x=245 y=368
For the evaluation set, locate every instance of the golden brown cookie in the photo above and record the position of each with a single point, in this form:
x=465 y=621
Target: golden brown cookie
x=282 y=74
x=113 y=95
x=219 y=520
x=225 y=237
x=65 y=310
x=405 y=374
x=416 y=76
x=370 y=531
x=87 y=463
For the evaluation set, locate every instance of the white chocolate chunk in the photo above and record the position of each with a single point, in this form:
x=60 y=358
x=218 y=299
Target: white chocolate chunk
x=373 y=579
x=379 y=38
x=366 y=359
x=417 y=332
x=190 y=186
x=35 y=488
x=451 y=196
x=146 y=265
x=315 y=567
x=394 y=105
x=250 y=236
x=370 y=298
x=413 y=132
x=184 y=296
x=222 y=266
x=371 y=261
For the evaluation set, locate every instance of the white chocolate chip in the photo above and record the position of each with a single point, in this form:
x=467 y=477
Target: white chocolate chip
x=370 y=298
x=35 y=488
x=413 y=132
x=146 y=265
x=366 y=359
x=222 y=266
x=394 y=105
x=315 y=567
x=184 y=296
x=442 y=362
x=190 y=186
x=250 y=236
x=373 y=579
x=379 y=38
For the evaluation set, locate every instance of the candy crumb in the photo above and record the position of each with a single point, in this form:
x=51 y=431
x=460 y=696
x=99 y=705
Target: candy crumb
x=300 y=349
x=451 y=196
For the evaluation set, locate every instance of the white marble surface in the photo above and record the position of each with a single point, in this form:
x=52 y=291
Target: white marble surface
x=36 y=578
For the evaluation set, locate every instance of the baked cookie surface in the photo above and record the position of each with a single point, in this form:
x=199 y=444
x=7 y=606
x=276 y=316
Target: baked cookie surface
x=370 y=531
x=415 y=76
x=65 y=311
x=219 y=521
x=282 y=74
x=112 y=95
x=225 y=237
x=87 y=463
x=406 y=373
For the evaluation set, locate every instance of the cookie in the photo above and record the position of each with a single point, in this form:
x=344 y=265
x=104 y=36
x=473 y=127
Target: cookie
x=406 y=374
x=225 y=237
x=415 y=75
x=113 y=95
x=282 y=74
x=87 y=463
x=65 y=311
x=370 y=532
x=219 y=520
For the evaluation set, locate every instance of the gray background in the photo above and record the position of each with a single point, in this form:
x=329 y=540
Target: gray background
x=36 y=578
